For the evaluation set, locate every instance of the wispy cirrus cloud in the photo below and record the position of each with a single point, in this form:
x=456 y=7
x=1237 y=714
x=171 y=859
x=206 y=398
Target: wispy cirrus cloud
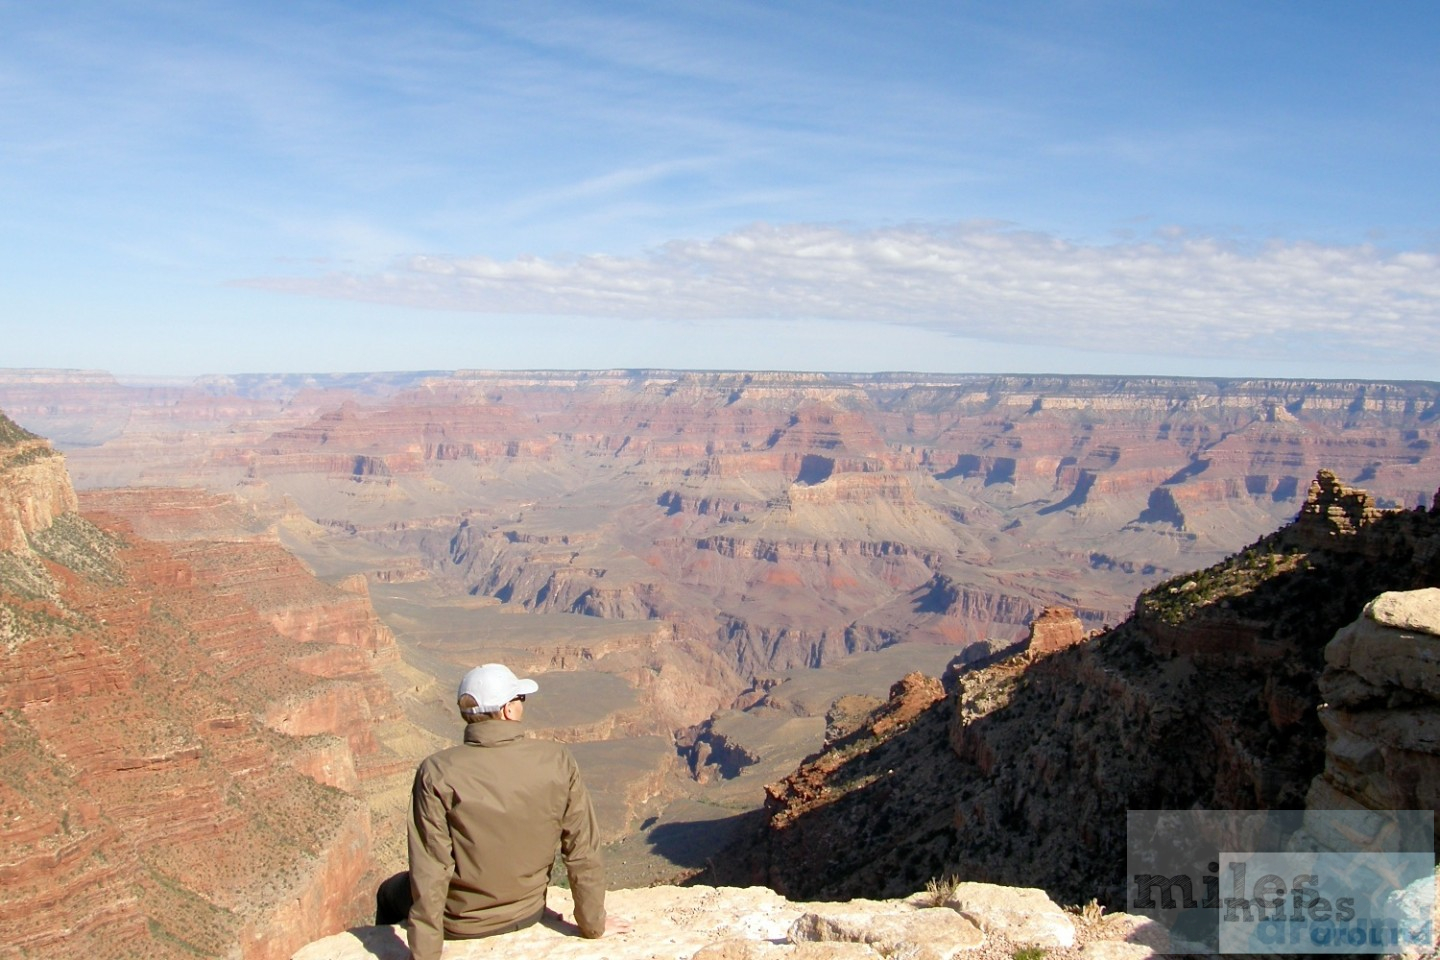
x=1172 y=294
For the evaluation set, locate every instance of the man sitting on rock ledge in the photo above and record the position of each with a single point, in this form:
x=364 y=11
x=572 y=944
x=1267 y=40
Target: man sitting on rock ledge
x=486 y=818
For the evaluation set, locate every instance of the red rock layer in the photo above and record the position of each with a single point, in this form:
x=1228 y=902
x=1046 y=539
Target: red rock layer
x=181 y=776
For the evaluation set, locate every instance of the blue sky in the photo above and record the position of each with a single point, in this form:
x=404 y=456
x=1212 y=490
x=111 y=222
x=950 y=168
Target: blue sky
x=1217 y=189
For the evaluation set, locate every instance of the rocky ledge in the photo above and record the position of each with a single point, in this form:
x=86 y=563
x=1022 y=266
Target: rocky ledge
x=967 y=921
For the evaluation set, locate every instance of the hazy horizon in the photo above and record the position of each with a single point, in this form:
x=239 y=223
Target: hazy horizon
x=144 y=378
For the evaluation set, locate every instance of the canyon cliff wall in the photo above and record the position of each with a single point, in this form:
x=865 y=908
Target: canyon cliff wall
x=36 y=487
x=189 y=766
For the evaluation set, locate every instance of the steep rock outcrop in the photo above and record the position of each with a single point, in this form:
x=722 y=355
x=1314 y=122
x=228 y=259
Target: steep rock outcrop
x=1056 y=628
x=1382 y=709
x=34 y=487
x=151 y=805
x=1333 y=510
x=812 y=785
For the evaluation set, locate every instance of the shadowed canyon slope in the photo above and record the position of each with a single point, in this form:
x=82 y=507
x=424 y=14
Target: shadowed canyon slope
x=1209 y=696
x=199 y=749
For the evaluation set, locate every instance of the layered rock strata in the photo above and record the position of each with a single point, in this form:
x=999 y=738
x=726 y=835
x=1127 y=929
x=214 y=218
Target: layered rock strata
x=773 y=520
x=35 y=488
x=1382 y=708
x=181 y=777
x=1055 y=629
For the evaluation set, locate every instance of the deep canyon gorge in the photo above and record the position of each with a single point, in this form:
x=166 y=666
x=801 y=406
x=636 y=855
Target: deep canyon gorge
x=229 y=641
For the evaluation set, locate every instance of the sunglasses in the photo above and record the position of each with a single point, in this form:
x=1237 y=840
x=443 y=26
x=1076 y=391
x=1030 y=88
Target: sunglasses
x=519 y=696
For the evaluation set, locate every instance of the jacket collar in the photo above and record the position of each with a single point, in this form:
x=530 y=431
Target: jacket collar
x=492 y=733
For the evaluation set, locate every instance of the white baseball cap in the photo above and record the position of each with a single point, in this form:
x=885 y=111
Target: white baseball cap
x=494 y=685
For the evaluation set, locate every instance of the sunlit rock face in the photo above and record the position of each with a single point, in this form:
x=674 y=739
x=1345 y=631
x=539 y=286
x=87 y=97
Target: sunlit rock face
x=1054 y=629
x=1382 y=710
x=34 y=487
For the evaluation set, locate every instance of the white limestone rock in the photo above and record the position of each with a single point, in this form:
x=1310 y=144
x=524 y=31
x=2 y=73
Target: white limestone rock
x=1384 y=658
x=754 y=923
x=668 y=923
x=1415 y=610
x=765 y=950
x=1115 y=950
x=1128 y=929
x=1023 y=915
x=895 y=929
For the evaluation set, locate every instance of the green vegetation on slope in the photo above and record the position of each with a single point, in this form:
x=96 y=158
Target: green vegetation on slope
x=11 y=432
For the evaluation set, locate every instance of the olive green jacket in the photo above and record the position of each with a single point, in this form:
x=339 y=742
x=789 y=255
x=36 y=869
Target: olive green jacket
x=486 y=819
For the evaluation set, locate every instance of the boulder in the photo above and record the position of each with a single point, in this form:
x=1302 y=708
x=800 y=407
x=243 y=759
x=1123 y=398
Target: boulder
x=1383 y=658
x=1022 y=915
x=1382 y=710
x=1417 y=610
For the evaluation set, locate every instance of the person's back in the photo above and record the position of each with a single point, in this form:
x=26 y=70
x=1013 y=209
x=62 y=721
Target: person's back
x=496 y=806
x=486 y=820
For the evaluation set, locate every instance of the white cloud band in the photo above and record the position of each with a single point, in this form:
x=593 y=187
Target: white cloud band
x=1171 y=295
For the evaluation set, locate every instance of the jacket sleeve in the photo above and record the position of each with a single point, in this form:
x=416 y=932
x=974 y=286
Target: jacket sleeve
x=432 y=863
x=580 y=847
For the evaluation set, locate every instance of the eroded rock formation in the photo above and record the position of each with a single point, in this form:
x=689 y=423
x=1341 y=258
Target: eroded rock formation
x=1056 y=628
x=34 y=487
x=772 y=520
x=1382 y=708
